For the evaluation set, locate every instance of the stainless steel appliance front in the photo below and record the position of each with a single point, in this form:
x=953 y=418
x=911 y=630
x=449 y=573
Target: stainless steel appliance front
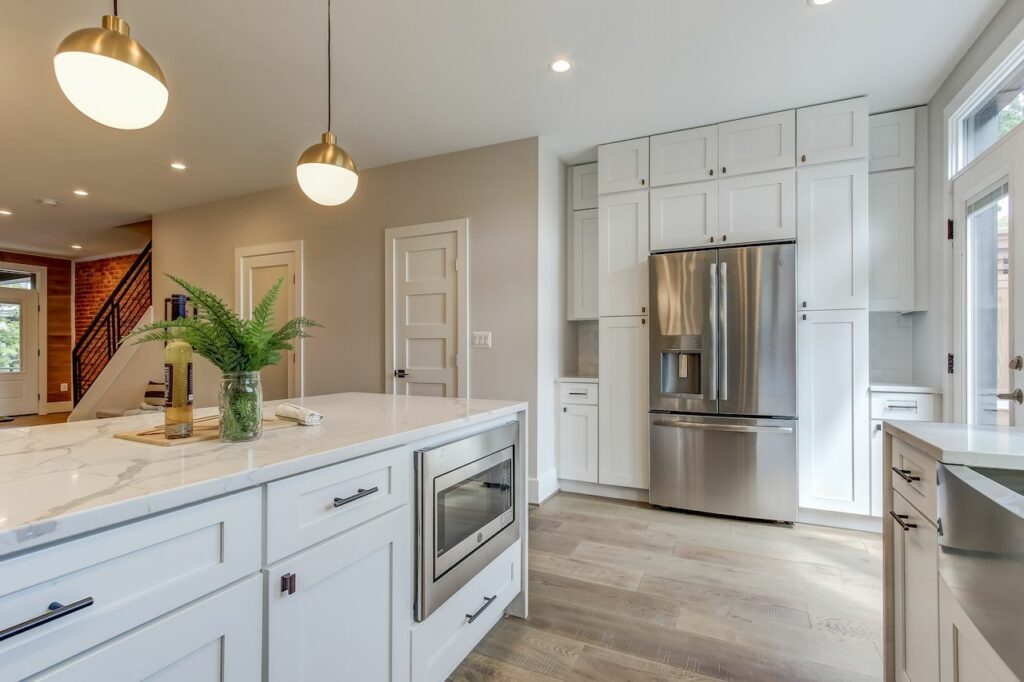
x=465 y=511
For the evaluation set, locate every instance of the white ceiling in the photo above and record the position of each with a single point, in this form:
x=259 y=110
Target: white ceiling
x=415 y=78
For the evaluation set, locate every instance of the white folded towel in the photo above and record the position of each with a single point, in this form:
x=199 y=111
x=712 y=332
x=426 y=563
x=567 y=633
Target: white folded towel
x=303 y=415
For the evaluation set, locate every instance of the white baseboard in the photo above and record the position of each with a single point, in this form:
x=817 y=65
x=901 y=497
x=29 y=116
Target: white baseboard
x=543 y=487
x=599 y=490
x=817 y=517
x=65 y=406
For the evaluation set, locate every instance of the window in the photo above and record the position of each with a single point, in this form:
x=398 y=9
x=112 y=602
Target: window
x=17 y=280
x=997 y=116
x=10 y=337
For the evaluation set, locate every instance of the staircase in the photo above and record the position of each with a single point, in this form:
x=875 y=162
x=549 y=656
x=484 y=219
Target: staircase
x=119 y=314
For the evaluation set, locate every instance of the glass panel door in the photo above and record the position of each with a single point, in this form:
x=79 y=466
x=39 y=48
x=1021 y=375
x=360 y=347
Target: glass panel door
x=465 y=508
x=11 y=341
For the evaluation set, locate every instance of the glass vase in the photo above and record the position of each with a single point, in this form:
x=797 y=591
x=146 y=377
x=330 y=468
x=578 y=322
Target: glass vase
x=241 y=406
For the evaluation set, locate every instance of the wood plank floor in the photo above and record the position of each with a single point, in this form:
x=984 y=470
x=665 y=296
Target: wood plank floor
x=625 y=592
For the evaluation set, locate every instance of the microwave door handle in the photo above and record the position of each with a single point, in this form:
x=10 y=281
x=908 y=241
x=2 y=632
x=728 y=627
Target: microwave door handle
x=713 y=322
x=723 y=322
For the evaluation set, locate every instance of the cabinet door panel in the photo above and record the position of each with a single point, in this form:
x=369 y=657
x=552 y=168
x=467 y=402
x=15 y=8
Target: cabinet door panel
x=832 y=236
x=584 y=187
x=684 y=156
x=583 y=266
x=837 y=131
x=878 y=477
x=753 y=145
x=891 y=241
x=577 y=443
x=622 y=424
x=964 y=654
x=757 y=208
x=684 y=216
x=833 y=393
x=915 y=594
x=622 y=254
x=622 y=166
x=893 y=141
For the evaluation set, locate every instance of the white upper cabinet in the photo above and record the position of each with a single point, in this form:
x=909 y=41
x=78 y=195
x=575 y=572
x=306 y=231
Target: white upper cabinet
x=583 y=260
x=832 y=236
x=622 y=166
x=623 y=249
x=752 y=145
x=837 y=131
x=684 y=216
x=684 y=156
x=622 y=410
x=893 y=140
x=756 y=208
x=584 y=187
x=891 y=240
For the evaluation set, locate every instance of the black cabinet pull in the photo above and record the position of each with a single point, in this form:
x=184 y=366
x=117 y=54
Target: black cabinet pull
x=470 y=617
x=900 y=520
x=905 y=475
x=288 y=583
x=55 y=610
x=711 y=172
x=723 y=170
x=360 y=494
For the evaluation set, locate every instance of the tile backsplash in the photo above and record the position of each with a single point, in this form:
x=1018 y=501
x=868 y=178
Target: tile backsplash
x=892 y=347
x=587 y=348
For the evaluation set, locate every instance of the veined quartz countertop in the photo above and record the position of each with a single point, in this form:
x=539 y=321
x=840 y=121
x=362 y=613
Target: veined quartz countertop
x=66 y=479
x=998 y=447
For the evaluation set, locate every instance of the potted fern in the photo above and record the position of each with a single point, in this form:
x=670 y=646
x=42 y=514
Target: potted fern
x=239 y=348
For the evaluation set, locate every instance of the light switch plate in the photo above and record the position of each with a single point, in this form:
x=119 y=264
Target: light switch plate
x=481 y=339
x=63 y=388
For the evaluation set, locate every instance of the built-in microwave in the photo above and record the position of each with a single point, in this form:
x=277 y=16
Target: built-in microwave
x=465 y=511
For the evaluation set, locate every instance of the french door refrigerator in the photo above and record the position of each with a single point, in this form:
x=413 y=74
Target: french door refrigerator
x=723 y=395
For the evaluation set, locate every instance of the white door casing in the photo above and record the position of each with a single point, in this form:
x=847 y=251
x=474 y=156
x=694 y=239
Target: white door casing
x=19 y=364
x=426 y=309
x=41 y=325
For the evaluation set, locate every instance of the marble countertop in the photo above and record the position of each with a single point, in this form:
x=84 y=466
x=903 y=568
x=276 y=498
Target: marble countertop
x=66 y=479
x=903 y=388
x=998 y=447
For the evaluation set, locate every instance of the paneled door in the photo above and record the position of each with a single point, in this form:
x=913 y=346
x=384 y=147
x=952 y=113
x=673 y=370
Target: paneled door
x=622 y=166
x=754 y=145
x=425 y=320
x=623 y=248
x=622 y=410
x=684 y=216
x=757 y=208
x=19 y=351
x=684 y=156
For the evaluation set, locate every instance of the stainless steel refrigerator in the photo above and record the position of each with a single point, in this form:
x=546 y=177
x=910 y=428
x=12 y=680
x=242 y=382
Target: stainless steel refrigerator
x=723 y=381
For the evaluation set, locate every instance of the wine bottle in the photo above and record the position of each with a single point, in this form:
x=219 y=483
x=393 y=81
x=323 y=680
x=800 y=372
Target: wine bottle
x=178 y=378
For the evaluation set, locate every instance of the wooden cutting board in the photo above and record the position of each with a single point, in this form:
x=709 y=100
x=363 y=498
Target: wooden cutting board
x=203 y=429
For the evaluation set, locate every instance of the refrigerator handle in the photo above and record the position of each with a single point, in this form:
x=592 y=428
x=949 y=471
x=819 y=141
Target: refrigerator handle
x=723 y=317
x=712 y=312
x=731 y=428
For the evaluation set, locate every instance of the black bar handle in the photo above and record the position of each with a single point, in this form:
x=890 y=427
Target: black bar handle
x=905 y=474
x=900 y=520
x=360 y=494
x=55 y=610
x=470 y=617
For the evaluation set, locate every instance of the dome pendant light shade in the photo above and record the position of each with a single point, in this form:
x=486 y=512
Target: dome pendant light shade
x=326 y=173
x=110 y=77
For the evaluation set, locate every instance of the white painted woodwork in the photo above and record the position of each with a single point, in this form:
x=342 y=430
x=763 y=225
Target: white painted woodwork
x=684 y=156
x=216 y=639
x=622 y=166
x=578 y=442
x=761 y=143
x=684 y=216
x=583 y=265
x=918 y=407
x=623 y=428
x=832 y=371
x=584 y=186
x=891 y=229
x=879 y=477
x=135 y=573
x=832 y=236
x=892 y=140
x=757 y=208
x=837 y=131
x=19 y=381
x=964 y=654
x=623 y=249
x=351 y=611
x=915 y=595
x=301 y=511
x=577 y=394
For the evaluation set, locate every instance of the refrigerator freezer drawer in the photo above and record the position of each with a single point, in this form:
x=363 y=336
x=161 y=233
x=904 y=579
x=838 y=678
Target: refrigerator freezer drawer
x=721 y=465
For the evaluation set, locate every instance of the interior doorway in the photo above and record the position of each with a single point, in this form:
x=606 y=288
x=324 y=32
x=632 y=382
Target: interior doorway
x=19 y=351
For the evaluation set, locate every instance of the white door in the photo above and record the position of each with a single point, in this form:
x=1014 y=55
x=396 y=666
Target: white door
x=622 y=166
x=891 y=240
x=761 y=143
x=19 y=351
x=622 y=422
x=684 y=216
x=988 y=280
x=584 y=187
x=583 y=265
x=684 y=156
x=757 y=208
x=837 y=131
x=915 y=593
x=893 y=140
x=832 y=375
x=349 y=614
x=577 y=443
x=426 y=309
x=623 y=250
x=832 y=236
x=258 y=272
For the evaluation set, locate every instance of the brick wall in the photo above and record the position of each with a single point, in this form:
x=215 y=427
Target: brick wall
x=94 y=282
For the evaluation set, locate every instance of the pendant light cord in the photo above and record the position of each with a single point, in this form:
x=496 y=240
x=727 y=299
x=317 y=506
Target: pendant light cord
x=328 y=65
x=115 y=8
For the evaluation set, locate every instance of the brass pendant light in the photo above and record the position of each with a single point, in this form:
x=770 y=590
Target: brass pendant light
x=110 y=77
x=326 y=173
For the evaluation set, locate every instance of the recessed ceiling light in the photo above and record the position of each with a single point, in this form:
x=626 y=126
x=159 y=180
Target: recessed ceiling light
x=818 y=3
x=77 y=247
x=81 y=193
x=178 y=166
x=5 y=212
x=560 y=65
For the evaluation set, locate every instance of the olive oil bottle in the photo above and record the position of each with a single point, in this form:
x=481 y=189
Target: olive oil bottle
x=178 y=378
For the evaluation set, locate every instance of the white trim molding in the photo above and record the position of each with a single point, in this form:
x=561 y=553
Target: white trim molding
x=543 y=487
x=599 y=490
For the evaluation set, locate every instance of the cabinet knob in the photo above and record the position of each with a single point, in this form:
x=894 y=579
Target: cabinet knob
x=711 y=240
x=288 y=583
x=643 y=321
x=725 y=237
x=723 y=170
x=565 y=409
x=805 y=316
x=643 y=309
x=643 y=181
x=711 y=172
x=804 y=304
x=803 y=158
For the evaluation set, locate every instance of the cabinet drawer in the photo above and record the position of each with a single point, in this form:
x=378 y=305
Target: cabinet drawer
x=445 y=638
x=919 y=407
x=577 y=394
x=305 y=509
x=133 y=574
x=921 y=488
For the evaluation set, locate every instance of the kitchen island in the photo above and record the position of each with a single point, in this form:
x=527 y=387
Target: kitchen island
x=283 y=558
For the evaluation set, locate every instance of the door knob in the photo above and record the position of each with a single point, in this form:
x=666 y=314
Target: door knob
x=1016 y=396
x=1017 y=363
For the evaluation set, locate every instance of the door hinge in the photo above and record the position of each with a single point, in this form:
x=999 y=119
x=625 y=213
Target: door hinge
x=949 y=363
x=288 y=583
x=39 y=352
x=949 y=229
x=294 y=281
